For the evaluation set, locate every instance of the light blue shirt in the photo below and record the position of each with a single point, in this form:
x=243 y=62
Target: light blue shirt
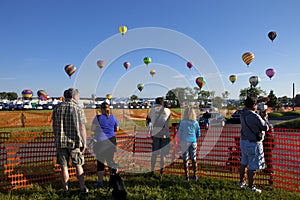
x=188 y=131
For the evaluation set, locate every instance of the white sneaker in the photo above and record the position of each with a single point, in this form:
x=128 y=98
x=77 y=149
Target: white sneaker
x=242 y=184
x=253 y=189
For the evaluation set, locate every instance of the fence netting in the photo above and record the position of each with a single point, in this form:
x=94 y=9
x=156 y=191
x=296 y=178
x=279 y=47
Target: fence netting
x=29 y=158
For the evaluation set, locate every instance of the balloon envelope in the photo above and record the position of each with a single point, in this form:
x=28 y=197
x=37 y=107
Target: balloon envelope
x=123 y=29
x=140 y=86
x=272 y=35
x=109 y=96
x=189 y=65
x=27 y=94
x=254 y=80
x=248 y=57
x=100 y=63
x=232 y=78
x=126 y=65
x=70 y=69
x=200 y=82
x=42 y=94
x=152 y=72
x=147 y=60
x=270 y=72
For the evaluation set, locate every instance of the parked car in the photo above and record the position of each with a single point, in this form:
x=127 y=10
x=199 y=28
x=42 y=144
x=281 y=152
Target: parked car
x=216 y=119
x=209 y=109
x=235 y=117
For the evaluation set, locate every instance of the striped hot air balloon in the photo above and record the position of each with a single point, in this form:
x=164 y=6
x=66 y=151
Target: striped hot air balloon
x=248 y=58
x=27 y=94
x=70 y=69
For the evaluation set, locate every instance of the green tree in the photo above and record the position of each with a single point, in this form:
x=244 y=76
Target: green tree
x=3 y=95
x=134 y=98
x=251 y=91
x=217 y=102
x=181 y=95
x=12 y=96
x=273 y=102
x=225 y=94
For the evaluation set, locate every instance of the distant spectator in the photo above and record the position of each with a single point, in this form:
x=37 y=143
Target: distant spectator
x=23 y=119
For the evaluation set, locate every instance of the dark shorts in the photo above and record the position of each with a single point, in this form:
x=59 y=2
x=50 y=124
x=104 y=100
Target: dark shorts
x=160 y=146
x=63 y=156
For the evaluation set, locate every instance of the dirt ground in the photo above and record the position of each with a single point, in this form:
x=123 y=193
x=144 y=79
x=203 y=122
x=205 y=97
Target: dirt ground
x=10 y=119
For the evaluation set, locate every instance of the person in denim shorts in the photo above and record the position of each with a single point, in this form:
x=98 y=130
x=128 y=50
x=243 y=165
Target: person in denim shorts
x=251 y=148
x=188 y=132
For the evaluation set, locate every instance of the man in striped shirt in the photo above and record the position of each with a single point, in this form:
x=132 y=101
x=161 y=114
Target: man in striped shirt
x=70 y=137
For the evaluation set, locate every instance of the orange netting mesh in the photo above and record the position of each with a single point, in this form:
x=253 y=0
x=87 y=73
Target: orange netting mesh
x=30 y=158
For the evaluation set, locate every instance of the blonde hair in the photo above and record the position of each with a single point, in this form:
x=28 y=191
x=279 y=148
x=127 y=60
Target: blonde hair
x=189 y=114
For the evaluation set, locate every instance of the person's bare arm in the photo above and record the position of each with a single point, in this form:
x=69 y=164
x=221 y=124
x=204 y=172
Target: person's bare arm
x=83 y=136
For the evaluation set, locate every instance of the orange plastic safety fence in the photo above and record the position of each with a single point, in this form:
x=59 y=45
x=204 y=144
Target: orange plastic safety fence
x=30 y=158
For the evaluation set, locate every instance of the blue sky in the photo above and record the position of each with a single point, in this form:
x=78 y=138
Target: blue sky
x=38 y=38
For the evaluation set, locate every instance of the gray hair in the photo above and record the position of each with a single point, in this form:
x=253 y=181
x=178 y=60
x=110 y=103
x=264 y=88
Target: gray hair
x=70 y=93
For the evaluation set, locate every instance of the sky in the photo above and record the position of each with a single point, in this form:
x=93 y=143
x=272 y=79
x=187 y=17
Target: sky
x=39 y=38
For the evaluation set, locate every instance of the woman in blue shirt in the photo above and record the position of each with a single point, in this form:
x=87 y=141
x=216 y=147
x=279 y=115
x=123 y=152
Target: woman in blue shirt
x=188 y=132
x=104 y=127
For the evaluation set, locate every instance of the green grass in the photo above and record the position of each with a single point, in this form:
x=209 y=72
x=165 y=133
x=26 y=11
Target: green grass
x=141 y=186
x=275 y=114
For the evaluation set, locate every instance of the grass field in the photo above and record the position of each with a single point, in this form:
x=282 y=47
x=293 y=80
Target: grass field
x=142 y=186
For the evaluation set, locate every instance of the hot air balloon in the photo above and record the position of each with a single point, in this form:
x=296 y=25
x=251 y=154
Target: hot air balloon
x=42 y=95
x=123 y=29
x=100 y=63
x=147 y=60
x=232 y=78
x=200 y=82
x=109 y=96
x=248 y=58
x=270 y=72
x=27 y=94
x=140 y=86
x=254 y=80
x=189 y=65
x=152 y=72
x=70 y=69
x=126 y=65
x=272 y=35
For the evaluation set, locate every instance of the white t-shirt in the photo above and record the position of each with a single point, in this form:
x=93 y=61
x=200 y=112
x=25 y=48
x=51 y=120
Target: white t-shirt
x=160 y=118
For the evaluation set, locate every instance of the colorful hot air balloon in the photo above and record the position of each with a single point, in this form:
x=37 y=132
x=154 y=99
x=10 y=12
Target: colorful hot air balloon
x=152 y=72
x=232 y=78
x=147 y=60
x=189 y=65
x=272 y=35
x=100 y=63
x=140 y=86
x=42 y=95
x=126 y=65
x=270 y=72
x=123 y=29
x=248 y=58
x=200 y=82
x=254 y=80
x=70 y=69
x=27 y=94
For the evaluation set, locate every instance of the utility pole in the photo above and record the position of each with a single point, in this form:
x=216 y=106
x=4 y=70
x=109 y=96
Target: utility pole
x=293 y=96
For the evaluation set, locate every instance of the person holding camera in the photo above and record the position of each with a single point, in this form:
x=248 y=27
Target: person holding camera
x=252 y=134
